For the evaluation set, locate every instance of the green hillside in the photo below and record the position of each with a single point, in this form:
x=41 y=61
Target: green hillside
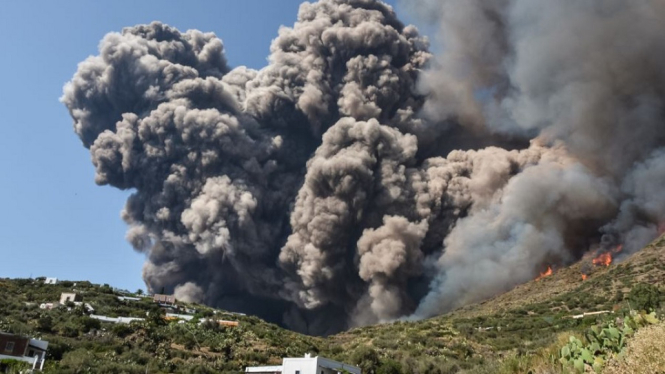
x=521 y=331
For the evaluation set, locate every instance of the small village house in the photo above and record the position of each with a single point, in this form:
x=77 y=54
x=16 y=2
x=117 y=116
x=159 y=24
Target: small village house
x=228 y=323
x=305 y=365
x=48 y=306
x=16 y=347
x=51 y=281
x=66 y=297
x=164 y=299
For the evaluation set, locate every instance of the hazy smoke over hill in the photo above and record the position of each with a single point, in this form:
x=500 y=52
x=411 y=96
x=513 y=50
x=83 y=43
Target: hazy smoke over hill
x=357 y=175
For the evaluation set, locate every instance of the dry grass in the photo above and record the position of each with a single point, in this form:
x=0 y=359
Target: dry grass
x=645 y=353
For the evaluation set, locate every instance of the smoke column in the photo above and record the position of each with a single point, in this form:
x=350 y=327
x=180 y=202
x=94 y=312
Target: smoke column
x=357 y=178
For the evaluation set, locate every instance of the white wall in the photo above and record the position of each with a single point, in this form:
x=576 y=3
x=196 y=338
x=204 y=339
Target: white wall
x=306 y=365
x=67 y=295
x=303 y=365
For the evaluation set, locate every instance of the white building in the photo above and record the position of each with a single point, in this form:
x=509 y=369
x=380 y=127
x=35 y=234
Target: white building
x=125 y=320
x=87 y=306
x=66 y=297
x=48 y=305
x=305 y=365
x=128 y=298
x=51 y=281
x=16 y=347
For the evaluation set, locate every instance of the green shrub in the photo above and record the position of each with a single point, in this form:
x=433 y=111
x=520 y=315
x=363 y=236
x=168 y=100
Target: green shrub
x=10 y=366
x=367 y=359
x=644 y=297
x=122 y=330
x=45 y=323
x=86 y=323
x=389 y=367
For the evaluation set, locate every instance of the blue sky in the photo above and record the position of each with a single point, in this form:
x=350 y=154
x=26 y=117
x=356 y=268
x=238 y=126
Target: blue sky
x=54 y=220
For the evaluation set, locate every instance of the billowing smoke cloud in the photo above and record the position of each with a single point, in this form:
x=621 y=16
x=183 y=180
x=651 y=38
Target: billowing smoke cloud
x=585 y=81
x=357 y=175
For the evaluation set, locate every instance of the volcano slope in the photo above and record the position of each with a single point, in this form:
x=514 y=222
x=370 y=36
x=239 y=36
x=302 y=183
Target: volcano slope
x=523 y=329
x=518 y=331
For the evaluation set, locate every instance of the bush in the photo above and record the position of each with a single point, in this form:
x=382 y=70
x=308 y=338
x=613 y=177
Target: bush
x=88 y=324
x=122 y=330
x=56 y=349
x=45 y=323
x=644 y=297
x=389 y=367
x=69 y=330
x=367 y=359
x=13 y=366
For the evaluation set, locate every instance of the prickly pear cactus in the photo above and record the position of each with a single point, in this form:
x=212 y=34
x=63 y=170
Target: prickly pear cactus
x=602 y=342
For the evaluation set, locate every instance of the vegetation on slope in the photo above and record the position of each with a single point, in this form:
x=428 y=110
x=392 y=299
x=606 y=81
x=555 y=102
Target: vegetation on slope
x=81 y=344
x=521 y=331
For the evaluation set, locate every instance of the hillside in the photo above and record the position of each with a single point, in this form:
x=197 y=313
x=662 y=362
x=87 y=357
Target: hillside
x=79 y=343
x=515 y=332
x=528 y=321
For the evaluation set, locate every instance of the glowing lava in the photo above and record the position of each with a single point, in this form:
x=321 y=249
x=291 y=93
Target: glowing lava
x=547 y=273
x=604 y=259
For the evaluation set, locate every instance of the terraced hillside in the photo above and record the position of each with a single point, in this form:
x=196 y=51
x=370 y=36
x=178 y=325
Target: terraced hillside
x=519 y=331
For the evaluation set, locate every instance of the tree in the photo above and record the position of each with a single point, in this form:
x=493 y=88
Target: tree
x=156 y=317
x=390 y=367
x=88 y=324
x=122 y=330
x=105 y=288
x=45 y=323
x=139 y=292
x=366 y=359
x=644 y=297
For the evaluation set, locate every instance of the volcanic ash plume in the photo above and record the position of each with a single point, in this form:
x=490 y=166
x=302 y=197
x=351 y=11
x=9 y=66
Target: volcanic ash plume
x=357 y=175
x=584 y=79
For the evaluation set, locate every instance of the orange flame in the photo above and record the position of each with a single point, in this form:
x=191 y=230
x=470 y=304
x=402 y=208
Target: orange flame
x=547 y=273
x=584 y=277
x=618 y=248
x=604 y=259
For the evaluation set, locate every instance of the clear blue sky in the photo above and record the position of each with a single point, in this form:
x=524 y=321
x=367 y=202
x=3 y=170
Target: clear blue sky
x=54 y=220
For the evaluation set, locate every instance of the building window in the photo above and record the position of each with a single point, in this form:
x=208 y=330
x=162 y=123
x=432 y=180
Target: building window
x=297 y=371
x=31 y=353
x=9 y=347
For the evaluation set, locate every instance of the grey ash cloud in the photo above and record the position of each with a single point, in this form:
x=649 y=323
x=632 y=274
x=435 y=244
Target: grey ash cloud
x=359 y=179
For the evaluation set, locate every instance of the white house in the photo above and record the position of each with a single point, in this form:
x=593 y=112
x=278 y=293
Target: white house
x=51 y=281
x=66 y=297
x=305 y=365
x=16 y=347
x=87 y=306
x=48 y=305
